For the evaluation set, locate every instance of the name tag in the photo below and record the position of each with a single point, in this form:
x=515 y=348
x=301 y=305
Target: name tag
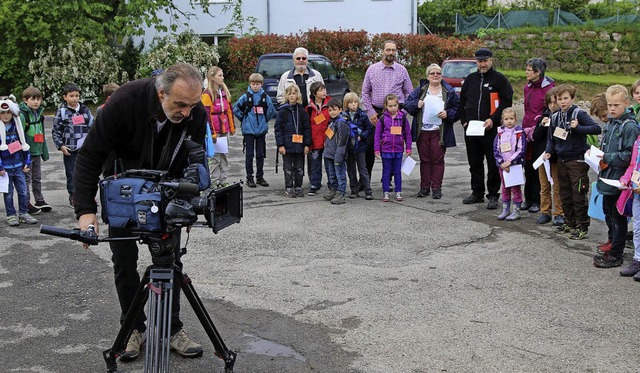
x=14 y=147
x=396 y=130
x=329 y=133
x=635 y=177
x=560 y=133
x=258 y=110
x=319 y=118
x=77 y=119
x=296 y=138
x=505 y=147
x=38 y=137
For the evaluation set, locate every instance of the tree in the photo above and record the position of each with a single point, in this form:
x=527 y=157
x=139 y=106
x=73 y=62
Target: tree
x=237 y=24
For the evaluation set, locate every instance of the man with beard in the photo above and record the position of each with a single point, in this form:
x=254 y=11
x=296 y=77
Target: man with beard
x=381 y=79
x=485 y=93
x=301 y=75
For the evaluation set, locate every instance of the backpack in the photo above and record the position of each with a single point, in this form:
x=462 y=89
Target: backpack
x=247 y=105
x=592 y=139
x=27 y=121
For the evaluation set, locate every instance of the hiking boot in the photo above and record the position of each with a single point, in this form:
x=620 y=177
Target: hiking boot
x=299 y=192
x=558 y=221
x=330 y=195
x=250 y=183
x=437 y=193
x=132 y=351
x=33 y=210
x=399 y=197
x=13 y=221
x=631 y=269
x=628 y=244
x=185 y=346
x=424 y=192
x=564 y=228
x=353 y=195
x=289 y=193
x=506 y=208
x=369 y=197
x=312 y=192
x=534 y=208
x=472 y=199
x=42 y=205
x=27 y=219
x=606 y=261
x=262 y=182
x=525 y=206
x=338 y=200
x=604 y=247
x=515 y=213
x=543 y=219
x=385 y=197
x=579 y=234
x=493 y=203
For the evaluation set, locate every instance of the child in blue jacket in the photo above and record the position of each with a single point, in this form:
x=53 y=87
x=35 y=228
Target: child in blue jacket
x=255 y=109
x=356 y=155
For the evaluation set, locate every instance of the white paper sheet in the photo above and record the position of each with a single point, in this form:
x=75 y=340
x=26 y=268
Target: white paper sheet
x=433 y=106
x=547 y=169
x=593 y=157
x=407 y=165
x=475 y=128
x=514 y=177
x=615 y=183
x=538 y=162
x=4 y=183
x=221 y=146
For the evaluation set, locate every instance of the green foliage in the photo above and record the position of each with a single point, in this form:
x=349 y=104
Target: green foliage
x=129 y=57
x=611 y=8
x=88 y=64
x=185 y=47
x=238 y=20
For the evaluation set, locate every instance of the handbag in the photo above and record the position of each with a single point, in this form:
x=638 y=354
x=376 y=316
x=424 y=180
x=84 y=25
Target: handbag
x=209 y=142
x=625 y=203
x=595 y=204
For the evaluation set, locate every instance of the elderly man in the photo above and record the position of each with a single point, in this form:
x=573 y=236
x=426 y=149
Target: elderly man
x=381 y=79
x=485 y=93
x=301 y=74
x=142 y=119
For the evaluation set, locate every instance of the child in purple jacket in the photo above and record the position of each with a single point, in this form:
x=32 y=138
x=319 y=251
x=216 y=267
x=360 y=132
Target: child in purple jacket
x=508 y=149
x=392 y=137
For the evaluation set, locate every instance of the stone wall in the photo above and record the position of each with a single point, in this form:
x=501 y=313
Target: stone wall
x=594 y=52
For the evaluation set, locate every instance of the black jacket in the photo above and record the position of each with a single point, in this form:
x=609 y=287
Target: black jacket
x=125 y=129
x=475 y=103
x=290 y=120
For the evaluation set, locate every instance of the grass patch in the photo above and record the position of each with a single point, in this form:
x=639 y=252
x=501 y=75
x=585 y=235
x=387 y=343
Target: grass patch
x=604 y=80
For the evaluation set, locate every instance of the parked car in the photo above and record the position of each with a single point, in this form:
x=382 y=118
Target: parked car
x=273 y=65
x=454 y=71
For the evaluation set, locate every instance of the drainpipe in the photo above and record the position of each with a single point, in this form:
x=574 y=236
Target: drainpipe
x=268 y=17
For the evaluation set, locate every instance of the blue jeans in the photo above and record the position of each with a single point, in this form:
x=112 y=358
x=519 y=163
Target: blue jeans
x=391 y=164
x=257 y=144
x=337 y=175
x=17 y=179
x=314 y=162
x=69 y=166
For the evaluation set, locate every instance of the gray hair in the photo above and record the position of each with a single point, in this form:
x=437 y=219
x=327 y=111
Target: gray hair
x=184 y=71
x=301 y=50
x=433 y=66
x=538 y=65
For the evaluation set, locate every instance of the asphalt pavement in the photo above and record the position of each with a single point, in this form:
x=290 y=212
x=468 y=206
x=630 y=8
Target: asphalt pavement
x=304 y=286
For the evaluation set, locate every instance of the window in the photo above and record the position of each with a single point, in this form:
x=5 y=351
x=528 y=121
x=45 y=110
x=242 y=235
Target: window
x=215 y=39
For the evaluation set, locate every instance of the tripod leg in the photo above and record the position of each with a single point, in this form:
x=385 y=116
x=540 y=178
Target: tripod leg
x=159 y=322
x=222 y=351
x=126 y=328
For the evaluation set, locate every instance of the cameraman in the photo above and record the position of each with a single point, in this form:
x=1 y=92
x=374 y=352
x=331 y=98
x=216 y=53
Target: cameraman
x=141 y=127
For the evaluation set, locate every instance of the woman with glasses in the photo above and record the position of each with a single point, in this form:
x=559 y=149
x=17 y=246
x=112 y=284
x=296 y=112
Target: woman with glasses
x=301 y=75
x=434 y=106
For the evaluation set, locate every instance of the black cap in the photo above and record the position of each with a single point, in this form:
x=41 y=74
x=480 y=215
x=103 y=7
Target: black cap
x=483 y=54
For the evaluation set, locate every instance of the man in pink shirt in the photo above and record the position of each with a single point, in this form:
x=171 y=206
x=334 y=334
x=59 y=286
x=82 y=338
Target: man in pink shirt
x=382 y=78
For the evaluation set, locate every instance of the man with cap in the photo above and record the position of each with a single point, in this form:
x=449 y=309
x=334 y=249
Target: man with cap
x=485 y=93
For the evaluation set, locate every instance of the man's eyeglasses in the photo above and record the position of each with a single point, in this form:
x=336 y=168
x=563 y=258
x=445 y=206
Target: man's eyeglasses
x=301 y=58
x=435 y=73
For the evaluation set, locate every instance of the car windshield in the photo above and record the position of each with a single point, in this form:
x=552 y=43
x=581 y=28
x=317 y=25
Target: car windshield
x=458 y=69
x=274 y=67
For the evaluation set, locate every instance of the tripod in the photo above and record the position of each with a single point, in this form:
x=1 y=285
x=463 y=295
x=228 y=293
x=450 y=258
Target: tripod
x=156 y=287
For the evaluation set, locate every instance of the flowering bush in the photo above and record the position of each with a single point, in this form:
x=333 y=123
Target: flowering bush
x=89 y=65
x=186 y=47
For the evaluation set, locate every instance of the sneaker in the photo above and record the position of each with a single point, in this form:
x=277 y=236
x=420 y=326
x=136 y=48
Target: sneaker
x=27 y=219
x=312 y=192
x=33 y=210
x=399 y=197
x=299 y=192
x=289 y=193
x=330 y=195
x=543 y=219
x=525 y=206
x=132 y=351
x=13 y=221
x=338 y=200
x=493 y=203
x=423 y=193
x=353 y=195
x=558 y=221
x=564 y=228
x=606 y=261
x=385 y=197
x=437 y=193
x=262 y=182
x=185 y=346
x=534 y=208
x=250 y=183
x=369 y=197
x=604 y=247
x=579 y=234
x=631 y=269
x=42 y=205
x=472 y=199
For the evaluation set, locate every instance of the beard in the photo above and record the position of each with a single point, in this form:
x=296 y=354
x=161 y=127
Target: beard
x=301 y=68
x=390 y=58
